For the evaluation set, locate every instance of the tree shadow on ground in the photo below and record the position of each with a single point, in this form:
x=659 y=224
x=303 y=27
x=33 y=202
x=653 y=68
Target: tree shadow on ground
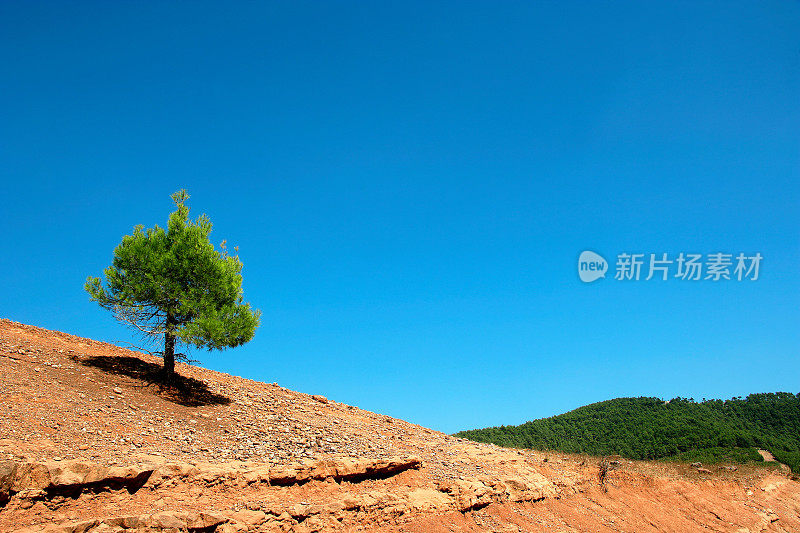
x=182 y=390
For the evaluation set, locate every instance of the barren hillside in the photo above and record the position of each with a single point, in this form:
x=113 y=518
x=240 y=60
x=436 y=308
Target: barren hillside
x=89 y=443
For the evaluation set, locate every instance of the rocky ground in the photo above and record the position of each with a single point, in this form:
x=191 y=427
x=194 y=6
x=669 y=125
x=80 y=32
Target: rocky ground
x=89 y=442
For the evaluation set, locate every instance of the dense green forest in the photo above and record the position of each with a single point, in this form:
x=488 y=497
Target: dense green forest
x=651 y=428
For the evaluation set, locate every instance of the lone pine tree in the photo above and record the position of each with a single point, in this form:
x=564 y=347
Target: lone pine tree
x=174 y=284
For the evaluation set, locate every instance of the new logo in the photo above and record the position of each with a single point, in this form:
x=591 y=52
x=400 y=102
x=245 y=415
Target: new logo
x=591 y=266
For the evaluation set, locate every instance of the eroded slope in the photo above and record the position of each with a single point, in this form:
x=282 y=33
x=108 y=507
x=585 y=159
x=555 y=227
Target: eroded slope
x=89 y=443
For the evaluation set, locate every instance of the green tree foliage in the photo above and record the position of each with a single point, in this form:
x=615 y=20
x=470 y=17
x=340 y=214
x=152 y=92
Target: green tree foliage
x=173 y=283
x=718 y=455
x=650 y=428
x=789 y=458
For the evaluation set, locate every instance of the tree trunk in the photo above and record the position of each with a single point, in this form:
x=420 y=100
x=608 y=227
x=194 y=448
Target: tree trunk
x=169 y=350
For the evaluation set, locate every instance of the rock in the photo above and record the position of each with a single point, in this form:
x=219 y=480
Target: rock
x=354 y=470
x=75 y=475
x=257 y=474
x=81 y=527
x=204 y=520
x=232 y=527
x=320 y=398
x=530 y=486
x=341 y=470
x=250 y=518
x=177 y=469
x=165 y=520
x=117 y=390
x=427 y=500
x=127 y=522
x=65 y=527
x=8 y=471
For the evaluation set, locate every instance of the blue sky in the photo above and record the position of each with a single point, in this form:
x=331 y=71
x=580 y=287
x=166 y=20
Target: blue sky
x=411 y=183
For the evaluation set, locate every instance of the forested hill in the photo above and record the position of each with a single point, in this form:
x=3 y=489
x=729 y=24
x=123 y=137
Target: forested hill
x=651 y=428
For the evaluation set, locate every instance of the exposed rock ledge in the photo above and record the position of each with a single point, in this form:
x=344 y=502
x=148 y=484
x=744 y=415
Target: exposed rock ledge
x=43 y=479
x=36 y=481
